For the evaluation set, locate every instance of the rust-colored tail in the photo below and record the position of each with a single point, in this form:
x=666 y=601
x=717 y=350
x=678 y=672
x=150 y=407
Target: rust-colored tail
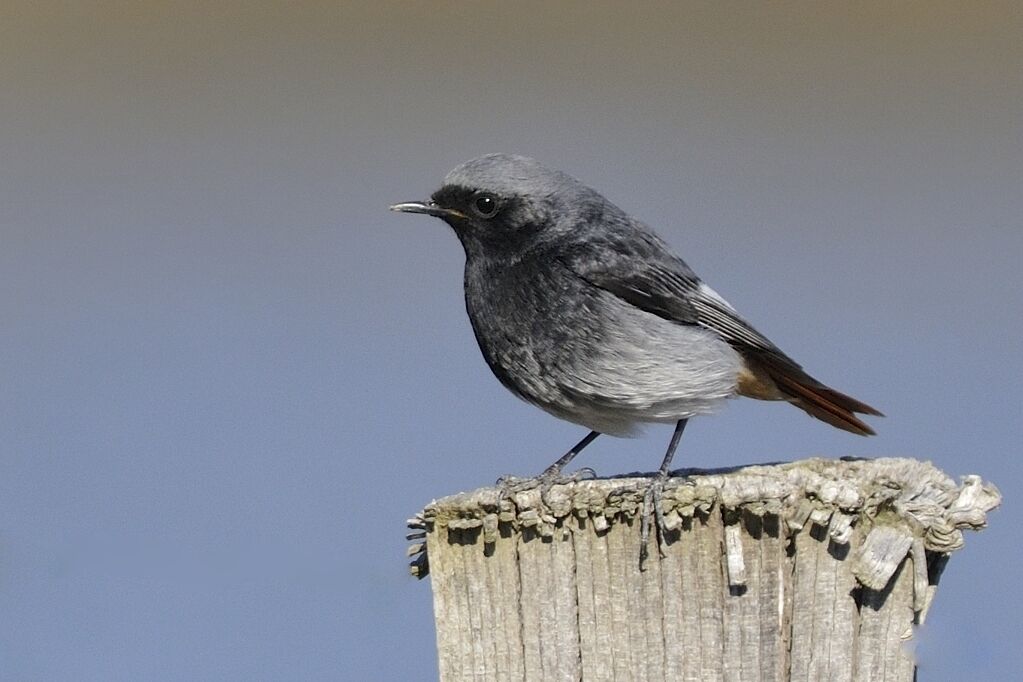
x=810 y=395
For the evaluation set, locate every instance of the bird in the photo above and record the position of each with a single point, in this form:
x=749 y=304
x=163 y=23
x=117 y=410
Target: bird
x=585 y=312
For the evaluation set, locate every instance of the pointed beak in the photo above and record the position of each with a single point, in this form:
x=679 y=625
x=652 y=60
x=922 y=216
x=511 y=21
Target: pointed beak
x=427 y=208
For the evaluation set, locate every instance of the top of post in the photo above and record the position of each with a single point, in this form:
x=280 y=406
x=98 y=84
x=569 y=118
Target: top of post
x=893 y=503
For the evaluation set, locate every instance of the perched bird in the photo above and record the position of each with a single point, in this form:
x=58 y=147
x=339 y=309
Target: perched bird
x=583 y=311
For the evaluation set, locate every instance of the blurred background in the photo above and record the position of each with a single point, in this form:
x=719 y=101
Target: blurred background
x=230 y=374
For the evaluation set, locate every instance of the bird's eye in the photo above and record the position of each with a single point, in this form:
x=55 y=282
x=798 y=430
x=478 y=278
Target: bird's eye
x=485 y=205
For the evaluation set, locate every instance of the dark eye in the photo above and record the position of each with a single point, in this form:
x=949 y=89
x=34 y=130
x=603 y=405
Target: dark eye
x=485 y=205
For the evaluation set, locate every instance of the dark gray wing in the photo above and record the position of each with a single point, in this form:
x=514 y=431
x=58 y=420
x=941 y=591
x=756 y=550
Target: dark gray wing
x=645 y=275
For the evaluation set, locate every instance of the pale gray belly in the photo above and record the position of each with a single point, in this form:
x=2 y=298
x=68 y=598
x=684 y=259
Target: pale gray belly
x=636 y=368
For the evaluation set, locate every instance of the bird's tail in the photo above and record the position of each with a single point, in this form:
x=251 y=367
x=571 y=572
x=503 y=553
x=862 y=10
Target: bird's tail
x=811 y=396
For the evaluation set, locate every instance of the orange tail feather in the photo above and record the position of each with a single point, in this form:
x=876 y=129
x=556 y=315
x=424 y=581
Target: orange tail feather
x=815 y=398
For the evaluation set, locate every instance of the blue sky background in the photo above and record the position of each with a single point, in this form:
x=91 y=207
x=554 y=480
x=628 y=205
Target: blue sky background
x=229 y=374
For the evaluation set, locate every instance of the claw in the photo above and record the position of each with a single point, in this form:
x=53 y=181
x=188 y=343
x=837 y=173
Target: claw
x=511 y=485
x=584 y=474
x=652 y=506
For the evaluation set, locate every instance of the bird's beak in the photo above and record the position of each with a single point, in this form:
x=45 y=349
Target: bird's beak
x=427 y=208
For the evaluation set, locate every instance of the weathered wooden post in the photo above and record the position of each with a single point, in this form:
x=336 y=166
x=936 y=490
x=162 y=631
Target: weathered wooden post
x=811 y=570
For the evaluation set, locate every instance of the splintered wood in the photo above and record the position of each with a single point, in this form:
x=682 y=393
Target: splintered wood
x=811 y=570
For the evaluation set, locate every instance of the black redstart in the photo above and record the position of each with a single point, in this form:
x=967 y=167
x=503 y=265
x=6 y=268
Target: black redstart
x=583 y=311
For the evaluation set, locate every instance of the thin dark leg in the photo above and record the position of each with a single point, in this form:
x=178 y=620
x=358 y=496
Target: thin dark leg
x=672 y=446
x=556 y=468
x=652 y=498
x=552 y=474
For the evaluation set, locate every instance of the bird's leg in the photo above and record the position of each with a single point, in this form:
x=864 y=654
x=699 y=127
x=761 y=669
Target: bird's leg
x=652 y=498
x=551 y=476
x=554 y=470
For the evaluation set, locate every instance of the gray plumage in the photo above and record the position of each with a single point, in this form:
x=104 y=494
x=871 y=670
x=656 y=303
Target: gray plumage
x=583 y=311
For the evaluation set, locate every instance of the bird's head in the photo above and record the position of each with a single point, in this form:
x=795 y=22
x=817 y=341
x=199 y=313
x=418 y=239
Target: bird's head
x=501 y=205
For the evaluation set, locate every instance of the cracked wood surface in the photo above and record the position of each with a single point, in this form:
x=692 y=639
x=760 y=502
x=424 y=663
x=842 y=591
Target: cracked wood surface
x=807 y=570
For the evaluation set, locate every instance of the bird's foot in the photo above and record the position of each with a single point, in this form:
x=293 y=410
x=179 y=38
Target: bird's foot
x=652 y=507
x=552 y=476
